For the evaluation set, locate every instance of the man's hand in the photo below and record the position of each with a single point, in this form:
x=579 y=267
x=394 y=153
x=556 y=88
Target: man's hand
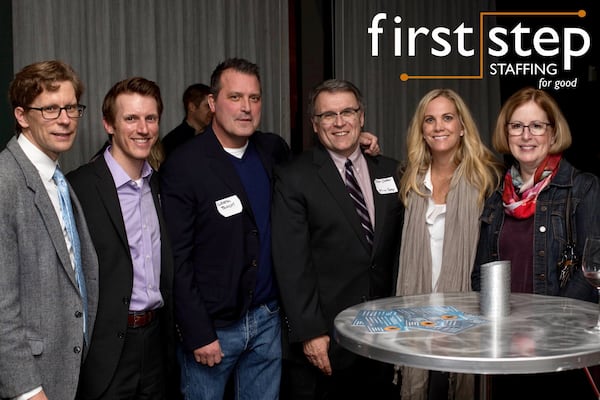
x=370 y=143
x=210 y=354
x=316 y=351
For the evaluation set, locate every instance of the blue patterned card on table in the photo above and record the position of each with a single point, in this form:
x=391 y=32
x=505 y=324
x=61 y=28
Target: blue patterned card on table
x=377 y=321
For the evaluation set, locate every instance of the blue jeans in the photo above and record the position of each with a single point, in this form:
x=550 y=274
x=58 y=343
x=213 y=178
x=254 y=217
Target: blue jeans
x=252 y=348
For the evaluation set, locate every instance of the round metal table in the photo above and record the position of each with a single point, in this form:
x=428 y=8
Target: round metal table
x=541 y=334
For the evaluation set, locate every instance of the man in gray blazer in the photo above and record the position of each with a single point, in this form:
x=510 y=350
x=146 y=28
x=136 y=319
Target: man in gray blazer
x=46 y=311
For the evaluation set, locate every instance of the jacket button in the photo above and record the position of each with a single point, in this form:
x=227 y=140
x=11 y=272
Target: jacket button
x=254 y=263
x=76 y=349
x=120 y=335
x=541 y=277
x=542 y=229
x=126 y=300
x=78 y=314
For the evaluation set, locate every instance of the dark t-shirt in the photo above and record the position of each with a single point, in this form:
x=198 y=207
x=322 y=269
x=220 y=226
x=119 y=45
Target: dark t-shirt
x=516 y=245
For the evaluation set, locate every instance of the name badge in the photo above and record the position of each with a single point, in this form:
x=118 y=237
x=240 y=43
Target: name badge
x=229 y=206
x=386 y=185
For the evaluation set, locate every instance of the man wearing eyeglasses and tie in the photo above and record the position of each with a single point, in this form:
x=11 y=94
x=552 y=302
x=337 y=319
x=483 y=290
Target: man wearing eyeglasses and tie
x=336 y=222
x=48 y=267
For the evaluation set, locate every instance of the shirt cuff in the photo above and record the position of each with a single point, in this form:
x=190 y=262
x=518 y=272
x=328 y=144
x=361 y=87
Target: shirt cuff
x=29 y=394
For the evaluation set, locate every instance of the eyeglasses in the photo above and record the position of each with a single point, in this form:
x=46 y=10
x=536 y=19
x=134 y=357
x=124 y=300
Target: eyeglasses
x=536 y=128
x=53 y=112
x=329 y=117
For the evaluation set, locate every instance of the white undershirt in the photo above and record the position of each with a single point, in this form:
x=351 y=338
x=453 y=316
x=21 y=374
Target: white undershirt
x=435 y=218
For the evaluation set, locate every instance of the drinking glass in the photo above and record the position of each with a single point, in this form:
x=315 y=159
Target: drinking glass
x=590 y=263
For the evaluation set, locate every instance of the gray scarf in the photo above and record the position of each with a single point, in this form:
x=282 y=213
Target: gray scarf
x=414 y=275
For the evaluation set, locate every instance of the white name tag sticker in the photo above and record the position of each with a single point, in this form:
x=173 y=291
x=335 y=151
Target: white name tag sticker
x=386 y=185
x=229 y=206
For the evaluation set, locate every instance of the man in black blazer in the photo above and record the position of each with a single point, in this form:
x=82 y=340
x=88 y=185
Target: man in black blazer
x=133 y=340
x=216 y=198
x=325 y=257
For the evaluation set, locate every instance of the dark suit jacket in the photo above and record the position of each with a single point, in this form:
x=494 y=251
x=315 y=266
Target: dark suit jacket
x=96 y=189
x=215 y=253
x=321 y=258
x=178 y=136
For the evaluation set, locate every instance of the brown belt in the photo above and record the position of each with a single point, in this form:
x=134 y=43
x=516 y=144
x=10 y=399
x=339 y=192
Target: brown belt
x=138 y=319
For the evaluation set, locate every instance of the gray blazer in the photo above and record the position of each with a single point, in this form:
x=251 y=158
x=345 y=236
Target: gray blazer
x=41 y=340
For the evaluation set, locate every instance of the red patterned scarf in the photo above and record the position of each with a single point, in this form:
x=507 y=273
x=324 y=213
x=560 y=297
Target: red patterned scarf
x=519 y=199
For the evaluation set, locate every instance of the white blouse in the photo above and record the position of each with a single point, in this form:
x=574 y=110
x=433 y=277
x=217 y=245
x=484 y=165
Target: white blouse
x=436 y=220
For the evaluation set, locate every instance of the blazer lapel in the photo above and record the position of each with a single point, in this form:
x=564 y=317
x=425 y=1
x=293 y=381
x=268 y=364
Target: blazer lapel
x=44 y=207
x=166 y=268
x=108 y=195
x=335 y=185
x=379 y=200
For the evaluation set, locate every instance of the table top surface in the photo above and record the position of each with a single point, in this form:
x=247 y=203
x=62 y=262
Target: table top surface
x=541 y=334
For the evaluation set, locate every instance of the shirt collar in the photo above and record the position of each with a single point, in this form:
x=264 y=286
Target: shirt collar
x=340 y=161
x=40 y=160
x=427 y=180
x=118 y=173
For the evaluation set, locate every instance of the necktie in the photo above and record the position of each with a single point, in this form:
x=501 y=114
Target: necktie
x=359 y=202
x=69 y=221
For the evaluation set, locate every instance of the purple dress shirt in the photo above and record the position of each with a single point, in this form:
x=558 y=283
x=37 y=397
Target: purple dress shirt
x=143 y=234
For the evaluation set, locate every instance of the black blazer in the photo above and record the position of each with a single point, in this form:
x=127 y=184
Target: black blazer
x=321 y=258
x=96 y=191
x=215 y=252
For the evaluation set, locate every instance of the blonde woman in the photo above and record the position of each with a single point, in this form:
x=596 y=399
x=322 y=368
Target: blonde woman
x=449 y=174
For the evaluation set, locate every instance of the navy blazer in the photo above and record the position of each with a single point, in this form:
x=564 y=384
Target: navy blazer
x=216 y=250
x=96 y=190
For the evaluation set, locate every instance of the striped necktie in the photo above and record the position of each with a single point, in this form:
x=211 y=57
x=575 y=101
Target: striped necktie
x=359 y=202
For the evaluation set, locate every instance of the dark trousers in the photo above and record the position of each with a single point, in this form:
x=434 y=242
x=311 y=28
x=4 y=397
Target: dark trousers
x=366 y=379
x=140 y=374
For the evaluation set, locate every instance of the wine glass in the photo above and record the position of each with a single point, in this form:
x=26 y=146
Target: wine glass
x=590 y=263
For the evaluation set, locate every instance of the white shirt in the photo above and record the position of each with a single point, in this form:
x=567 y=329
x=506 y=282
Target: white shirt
x=435 y=219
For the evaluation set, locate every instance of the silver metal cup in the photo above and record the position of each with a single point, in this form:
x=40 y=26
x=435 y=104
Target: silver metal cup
x=494 y=297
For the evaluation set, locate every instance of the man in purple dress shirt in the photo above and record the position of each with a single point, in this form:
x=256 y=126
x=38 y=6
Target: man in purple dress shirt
x=131 y=350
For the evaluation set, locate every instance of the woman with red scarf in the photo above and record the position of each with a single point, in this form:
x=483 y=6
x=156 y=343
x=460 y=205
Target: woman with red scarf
x=524 y=220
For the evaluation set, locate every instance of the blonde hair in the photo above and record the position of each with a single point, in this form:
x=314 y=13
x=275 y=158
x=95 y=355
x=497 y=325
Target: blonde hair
x=157 y=155
x=561 y=130
x=475 y=162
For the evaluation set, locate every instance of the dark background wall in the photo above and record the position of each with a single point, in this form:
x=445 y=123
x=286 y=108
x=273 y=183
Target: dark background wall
x=6 y=69
x=311 y=61
x=312 y=38
x=580 y=104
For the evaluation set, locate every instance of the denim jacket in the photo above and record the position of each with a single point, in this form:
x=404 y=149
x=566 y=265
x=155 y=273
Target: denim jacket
x=549 y=231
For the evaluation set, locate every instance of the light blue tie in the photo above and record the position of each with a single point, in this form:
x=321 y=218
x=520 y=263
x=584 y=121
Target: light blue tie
x=69 y=221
